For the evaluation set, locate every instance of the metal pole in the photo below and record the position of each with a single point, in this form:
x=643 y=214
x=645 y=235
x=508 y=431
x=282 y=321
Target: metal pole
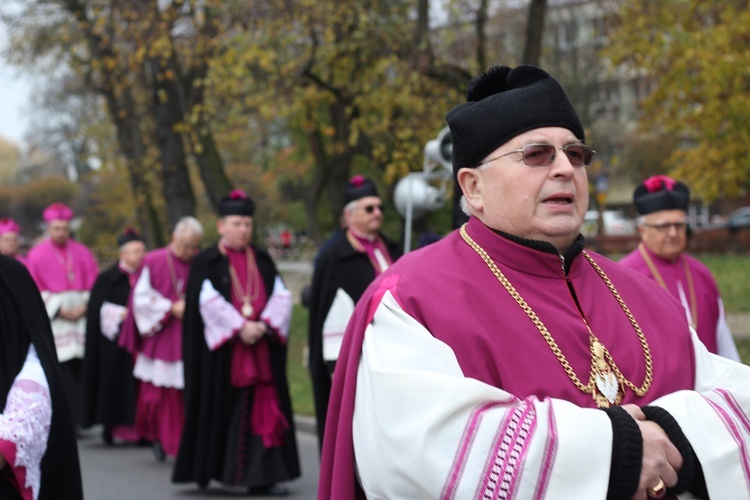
x=408 y=219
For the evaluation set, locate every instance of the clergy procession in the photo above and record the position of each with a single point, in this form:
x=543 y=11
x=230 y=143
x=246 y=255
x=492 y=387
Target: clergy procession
x=505 y=360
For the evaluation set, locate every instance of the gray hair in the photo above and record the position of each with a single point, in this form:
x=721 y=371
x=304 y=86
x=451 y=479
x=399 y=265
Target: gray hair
x=188 y=225
x=462 y=202
x=349 y=207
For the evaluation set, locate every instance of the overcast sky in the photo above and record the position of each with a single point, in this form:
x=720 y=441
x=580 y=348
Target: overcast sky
x=15 y=93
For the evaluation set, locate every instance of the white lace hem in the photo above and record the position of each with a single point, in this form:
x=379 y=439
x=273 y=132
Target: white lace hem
x=159 y=372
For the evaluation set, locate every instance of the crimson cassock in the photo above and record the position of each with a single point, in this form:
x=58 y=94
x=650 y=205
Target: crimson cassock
x=23 y=320
x=214 y=423
x=109 y=389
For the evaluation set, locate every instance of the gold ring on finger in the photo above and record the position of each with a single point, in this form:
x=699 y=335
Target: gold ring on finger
x=657 y=491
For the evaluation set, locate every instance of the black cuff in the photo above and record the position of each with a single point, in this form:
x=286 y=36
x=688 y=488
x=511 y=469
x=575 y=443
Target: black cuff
x=330 y=366
x=675 y=434
x=269 y=330
x=627 y=454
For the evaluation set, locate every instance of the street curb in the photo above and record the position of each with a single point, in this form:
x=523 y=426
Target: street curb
x=303 y=423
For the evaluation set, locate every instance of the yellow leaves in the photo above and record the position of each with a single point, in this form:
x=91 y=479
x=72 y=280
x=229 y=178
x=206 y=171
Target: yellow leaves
x=699 y=55
x=110 y=63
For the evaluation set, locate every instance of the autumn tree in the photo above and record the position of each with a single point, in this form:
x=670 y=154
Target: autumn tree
x=696 y=54
x=351 y=85
x=9 y=159
x=294 y=96
x=147 y=59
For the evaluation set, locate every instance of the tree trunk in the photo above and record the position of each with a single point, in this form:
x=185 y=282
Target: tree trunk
x=532 y=53
x=202 y=143
x=178 y=192
x=317 y=185
x=211 y=167
x=121 y=105
x=131 y=146
x=339 y=165
x=482 y=35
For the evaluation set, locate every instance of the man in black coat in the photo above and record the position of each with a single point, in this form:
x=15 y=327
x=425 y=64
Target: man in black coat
x=109 y=389
x=239 y=428
x=343 y=270
x=37 y=447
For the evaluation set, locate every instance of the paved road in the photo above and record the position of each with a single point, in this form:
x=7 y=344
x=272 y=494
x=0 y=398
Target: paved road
x=124 y=472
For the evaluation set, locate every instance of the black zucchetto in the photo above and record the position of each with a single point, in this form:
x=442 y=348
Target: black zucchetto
x=660 y=192
x=129 y=234
x=503 y=103
x=236 y=203
x=358 y=187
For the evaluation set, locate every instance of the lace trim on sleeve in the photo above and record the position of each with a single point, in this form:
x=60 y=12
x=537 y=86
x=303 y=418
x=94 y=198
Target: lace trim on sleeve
x=150 y=308
x=110 y=317
x=220 y=318
x=25 y=421
x=278 y=311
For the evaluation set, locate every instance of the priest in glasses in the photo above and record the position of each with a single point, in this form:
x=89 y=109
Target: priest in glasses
x=662 y=205
x=343 y=270
x=507 y=361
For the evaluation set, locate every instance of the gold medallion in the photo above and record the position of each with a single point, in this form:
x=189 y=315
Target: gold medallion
x=247 y=309
x=607 y=388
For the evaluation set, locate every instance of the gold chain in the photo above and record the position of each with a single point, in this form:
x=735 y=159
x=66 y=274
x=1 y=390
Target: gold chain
x=251 y=290
x=585 y=388
x=177 y=285
x=657 y=275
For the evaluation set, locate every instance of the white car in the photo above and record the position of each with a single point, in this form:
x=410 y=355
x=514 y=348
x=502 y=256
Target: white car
x=615 y=223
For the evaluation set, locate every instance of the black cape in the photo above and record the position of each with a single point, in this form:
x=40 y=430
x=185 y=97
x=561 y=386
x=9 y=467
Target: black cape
x=338 y=266
x=211 y=402
x=23 y=320
x=108 y=389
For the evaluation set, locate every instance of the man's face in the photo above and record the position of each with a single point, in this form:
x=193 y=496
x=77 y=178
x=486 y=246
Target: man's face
x=545 y=203
x=185 y=245
x=132 y=252
x=59 y=231
x=367 y=215
x=9 y=243
x=664 y=232
x=236 y=230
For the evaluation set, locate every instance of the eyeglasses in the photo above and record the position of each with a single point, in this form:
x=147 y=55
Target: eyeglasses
x=543 y=155
x=666 y=226
x=371 y=208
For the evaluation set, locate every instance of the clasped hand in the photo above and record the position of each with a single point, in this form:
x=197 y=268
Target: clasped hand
x=178 y=308
x=72 y=314
x=661 y=459
x=252 y=331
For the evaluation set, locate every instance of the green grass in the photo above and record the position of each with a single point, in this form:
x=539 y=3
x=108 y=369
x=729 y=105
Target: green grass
x=299 y=377
x=732 y=273
x=743 y=346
